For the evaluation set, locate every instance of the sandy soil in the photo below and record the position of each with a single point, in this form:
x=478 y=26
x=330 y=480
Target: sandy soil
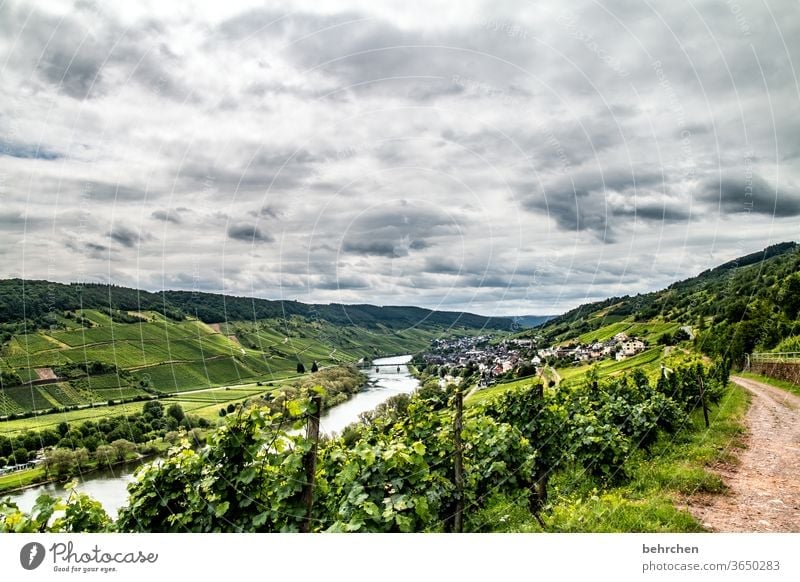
x=45 y=373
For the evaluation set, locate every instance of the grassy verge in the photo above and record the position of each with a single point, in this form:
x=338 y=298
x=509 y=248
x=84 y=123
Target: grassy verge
x=20 y=479
x=341 y=383
x=491 y=391
x=37 y=475
x=648 y=361
x=782 y=384
x=653 y=495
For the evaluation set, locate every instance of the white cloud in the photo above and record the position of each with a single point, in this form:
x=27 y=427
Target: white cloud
x=496 y=157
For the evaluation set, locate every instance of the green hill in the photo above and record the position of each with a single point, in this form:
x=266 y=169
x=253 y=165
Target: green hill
x=745 y=305
x=41 y=305
x=67 y=346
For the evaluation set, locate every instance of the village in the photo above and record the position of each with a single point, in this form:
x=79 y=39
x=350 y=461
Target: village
x=462 y=357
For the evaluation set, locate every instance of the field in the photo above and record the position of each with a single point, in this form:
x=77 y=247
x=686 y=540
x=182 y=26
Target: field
x=648 y=361
x=51 y=420
x=156 y=356
x=649 y=332
x=491 y=391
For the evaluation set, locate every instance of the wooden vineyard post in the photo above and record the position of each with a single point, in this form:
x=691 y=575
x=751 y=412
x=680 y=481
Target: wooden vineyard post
x=458 y=518
x=310 y=461
x=538 y=493
x=703 y=402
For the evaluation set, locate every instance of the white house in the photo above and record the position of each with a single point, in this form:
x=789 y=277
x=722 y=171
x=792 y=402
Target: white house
x=631 y=347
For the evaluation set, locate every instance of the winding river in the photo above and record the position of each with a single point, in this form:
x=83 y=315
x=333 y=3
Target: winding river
x=109 y=486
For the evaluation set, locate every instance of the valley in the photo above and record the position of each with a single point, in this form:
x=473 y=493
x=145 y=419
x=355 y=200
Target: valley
x=614 y=416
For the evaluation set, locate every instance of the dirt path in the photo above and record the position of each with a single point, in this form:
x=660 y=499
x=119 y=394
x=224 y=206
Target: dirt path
x=764 y=489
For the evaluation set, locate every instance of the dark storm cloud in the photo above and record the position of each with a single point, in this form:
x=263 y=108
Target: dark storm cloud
x=28 y=151
x=126 y=236
x=51 y=41
x=167 y=216
x=11 y=219
x=20 y=221
x=105 y=191
x=736 y=195
x=88 y=249
x=344 y=282
x=600 y=202
x=409 y=217
x=370 y=55
x=76 y=52
x=268 y=211
x=488 y=280
x=443 y=265
x=397 y=231
x=254 y=167
x=248 y=233
x=377 y=248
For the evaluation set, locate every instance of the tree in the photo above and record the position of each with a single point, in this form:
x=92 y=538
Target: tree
x=48 y=437
x=62 y=428
x=526 y=369
x=60 y=461
x=231 y=408
x=105 y=454
x=314 y=367
x=153 y=409
x=81 y=457
x=301 y=369
x=789 y=296
x=176 y=412
x=680 y=335
x=123 y=448
x=5 y=446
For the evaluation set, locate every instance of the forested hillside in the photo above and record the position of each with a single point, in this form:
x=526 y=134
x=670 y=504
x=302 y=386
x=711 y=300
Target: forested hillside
x=745 y=305
x=64 y=347
x=41 y=305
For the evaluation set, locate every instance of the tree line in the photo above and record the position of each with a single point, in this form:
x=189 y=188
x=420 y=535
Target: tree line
x=154 y=421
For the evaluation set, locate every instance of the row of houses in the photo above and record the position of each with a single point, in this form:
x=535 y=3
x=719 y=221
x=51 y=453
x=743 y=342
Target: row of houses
x=490 y=360
x=621 y=346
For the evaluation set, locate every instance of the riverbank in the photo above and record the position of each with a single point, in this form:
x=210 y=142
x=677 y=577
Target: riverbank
x=340 y=382
x=27 y=478
x=350 y=391
x=381 y=386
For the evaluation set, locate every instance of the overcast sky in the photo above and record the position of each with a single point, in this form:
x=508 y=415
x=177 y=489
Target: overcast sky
x=500 y=157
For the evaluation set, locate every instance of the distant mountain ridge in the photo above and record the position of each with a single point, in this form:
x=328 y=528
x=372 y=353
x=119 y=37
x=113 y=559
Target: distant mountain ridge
x=532 y=320
x=36 y=300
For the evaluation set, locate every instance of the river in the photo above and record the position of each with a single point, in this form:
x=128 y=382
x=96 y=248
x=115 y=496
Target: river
x=109 y=486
